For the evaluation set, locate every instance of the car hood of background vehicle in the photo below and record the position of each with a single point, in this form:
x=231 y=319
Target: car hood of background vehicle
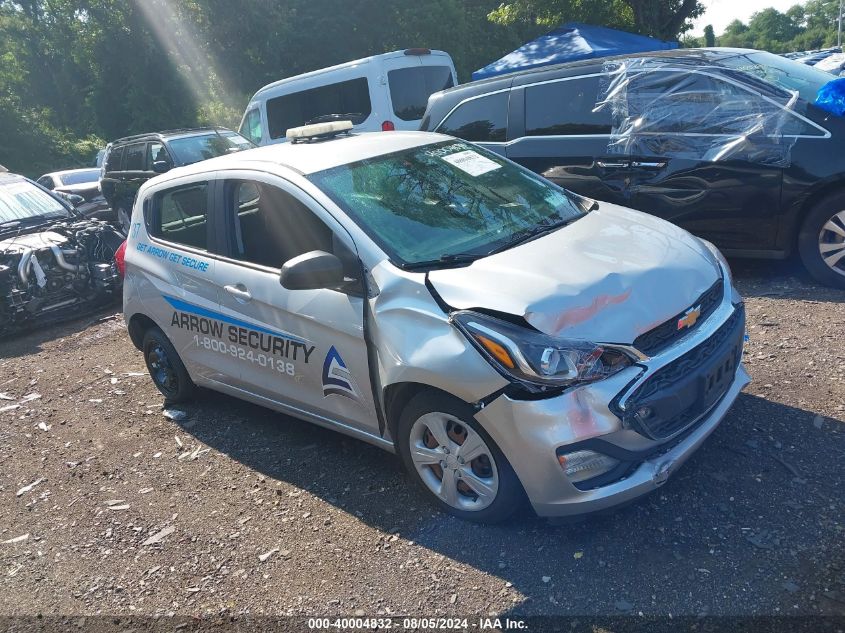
x=608 y=277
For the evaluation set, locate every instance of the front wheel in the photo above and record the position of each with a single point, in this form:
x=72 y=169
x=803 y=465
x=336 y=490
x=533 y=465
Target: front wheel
x=455 y=462
x=166 y=368
x=821 y=242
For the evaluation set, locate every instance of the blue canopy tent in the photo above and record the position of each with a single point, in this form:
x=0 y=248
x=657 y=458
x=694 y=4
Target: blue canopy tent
x=569 y=43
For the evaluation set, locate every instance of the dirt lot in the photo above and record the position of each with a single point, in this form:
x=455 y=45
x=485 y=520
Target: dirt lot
x=240 y=510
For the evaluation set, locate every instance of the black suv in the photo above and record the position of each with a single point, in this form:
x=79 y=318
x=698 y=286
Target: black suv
x=130 y=162
x=729 y=144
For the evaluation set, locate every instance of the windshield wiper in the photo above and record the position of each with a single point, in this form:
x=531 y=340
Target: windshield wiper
x=444 y=261
x=526 y=235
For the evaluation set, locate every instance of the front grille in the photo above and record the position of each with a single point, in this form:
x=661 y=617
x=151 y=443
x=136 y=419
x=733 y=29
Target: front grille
x=689 y=386
x=661 y=337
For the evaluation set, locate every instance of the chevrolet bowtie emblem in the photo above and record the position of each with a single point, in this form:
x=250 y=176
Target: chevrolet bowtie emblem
x=690 y=317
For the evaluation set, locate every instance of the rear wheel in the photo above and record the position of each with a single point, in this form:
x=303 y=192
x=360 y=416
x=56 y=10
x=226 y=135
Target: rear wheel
x=821 y=242
x=455 y=462
x=166 y=368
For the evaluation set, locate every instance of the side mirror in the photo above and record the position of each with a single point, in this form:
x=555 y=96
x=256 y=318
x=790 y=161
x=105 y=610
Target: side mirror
x=313 y=270
x=161 y=166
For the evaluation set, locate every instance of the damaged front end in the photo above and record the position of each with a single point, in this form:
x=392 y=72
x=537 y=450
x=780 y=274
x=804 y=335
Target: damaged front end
x=52 y=273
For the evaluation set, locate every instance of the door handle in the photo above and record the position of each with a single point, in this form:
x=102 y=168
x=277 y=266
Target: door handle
x=239 y=292
x=608 y=165
x=649 y=164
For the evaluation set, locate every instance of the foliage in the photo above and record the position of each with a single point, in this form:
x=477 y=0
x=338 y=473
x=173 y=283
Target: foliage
x=709 y=36
x=665 y=19
x=803 y=27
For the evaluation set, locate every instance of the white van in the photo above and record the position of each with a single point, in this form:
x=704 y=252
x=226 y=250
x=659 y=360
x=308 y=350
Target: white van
x=383 y=92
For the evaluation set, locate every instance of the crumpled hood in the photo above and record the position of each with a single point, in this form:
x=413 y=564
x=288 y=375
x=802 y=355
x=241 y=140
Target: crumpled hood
x=607 y=277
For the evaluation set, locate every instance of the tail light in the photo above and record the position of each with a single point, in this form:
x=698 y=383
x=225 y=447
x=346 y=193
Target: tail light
x=120 y=258
x=387 y=126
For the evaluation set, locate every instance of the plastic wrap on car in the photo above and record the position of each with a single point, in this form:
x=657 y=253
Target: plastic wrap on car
x=690 y=112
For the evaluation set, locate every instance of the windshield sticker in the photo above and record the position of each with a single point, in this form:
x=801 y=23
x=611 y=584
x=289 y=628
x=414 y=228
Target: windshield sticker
x=472 y=162
x=336 y=377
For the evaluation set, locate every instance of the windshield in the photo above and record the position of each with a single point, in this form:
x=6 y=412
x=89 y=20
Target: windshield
x=444 y=200
x=785 y=73
x=192 y=149
x=21 y=200
x=80 y=177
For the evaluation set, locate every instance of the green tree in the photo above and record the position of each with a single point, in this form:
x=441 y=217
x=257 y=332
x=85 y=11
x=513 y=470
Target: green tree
x=665 y=19
x=709 y=36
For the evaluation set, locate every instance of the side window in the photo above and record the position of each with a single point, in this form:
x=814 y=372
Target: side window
x=114 y=161
x=251 y=126
x=565 y=108
x=134 y=160
x=181 y=215
x=350 y=98
x=45 y=181
x=270 y=226
x=482 y=119
x=411 y=87
x=693 y=103
x=156 y=152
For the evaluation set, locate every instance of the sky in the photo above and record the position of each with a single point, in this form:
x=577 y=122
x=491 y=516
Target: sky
x=720 y=13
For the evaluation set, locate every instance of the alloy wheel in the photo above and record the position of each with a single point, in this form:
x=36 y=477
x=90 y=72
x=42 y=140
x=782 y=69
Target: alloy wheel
x=454 y=461
x=832 y=243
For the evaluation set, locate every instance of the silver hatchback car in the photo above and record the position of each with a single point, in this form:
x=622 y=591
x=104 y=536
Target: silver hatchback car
x=507 y=338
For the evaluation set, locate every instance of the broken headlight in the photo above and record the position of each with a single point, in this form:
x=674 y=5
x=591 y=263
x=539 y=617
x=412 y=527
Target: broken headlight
x=534 y=359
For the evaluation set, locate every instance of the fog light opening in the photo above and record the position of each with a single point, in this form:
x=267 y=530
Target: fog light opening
x=582 y=465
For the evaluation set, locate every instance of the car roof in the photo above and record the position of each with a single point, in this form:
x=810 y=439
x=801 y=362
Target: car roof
x=350 y=64
x=532 y=75
x=308 y=158
x=65 y=172
x=169 y=134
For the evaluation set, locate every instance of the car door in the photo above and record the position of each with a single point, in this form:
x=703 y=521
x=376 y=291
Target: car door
x=178 y=272
x=557 y=132
x=304 y=349
x=133 y=173
x=705 y=153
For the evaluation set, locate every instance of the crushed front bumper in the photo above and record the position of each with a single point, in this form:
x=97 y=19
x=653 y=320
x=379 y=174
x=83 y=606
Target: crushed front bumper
x=529 y=433
x=678 y=387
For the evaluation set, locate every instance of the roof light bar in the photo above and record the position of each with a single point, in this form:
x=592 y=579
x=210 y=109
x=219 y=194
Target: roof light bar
x=318 y=130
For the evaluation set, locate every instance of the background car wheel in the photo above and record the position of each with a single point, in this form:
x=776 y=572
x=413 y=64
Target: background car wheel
x=455 y=461
x=123 y=219
x=821 y=242
x=166 y=368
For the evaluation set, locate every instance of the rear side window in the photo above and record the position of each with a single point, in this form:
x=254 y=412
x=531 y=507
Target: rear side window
x=349 y=98
x=251 y=126
x=565 y=108
x=114 y=161
x=134 y=160
x=182 y=216
x=411 y=87
x=480 y=120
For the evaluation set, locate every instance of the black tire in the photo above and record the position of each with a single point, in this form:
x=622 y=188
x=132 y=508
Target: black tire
x=510 y=496
x=166 y=368
x=812 y=231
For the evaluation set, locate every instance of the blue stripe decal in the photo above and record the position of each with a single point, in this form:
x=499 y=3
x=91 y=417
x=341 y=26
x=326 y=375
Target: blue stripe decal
x=184 y=306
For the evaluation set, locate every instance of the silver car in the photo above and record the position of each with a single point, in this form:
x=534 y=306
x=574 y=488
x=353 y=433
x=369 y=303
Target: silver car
x=508 y=339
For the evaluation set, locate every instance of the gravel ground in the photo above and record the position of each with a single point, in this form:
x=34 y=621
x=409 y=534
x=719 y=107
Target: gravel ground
x=238 y=510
